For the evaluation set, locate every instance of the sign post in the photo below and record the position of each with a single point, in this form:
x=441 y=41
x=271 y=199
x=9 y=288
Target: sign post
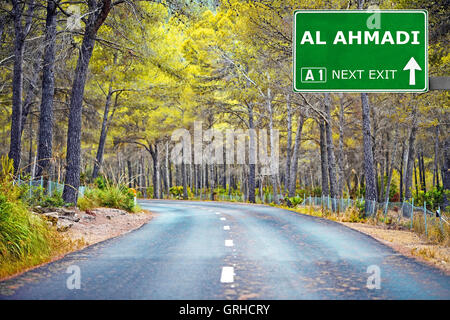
x=360 y=51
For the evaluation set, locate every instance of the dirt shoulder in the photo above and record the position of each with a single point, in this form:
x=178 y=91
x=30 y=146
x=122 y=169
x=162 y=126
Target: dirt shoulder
x=407 y=243
x=104 y=223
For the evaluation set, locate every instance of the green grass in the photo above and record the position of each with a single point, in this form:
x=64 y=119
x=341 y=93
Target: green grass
x=109 y=196
x=26 y=239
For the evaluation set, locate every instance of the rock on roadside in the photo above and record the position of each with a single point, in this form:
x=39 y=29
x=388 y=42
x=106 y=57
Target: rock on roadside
x=103 y=223
x=65 y=218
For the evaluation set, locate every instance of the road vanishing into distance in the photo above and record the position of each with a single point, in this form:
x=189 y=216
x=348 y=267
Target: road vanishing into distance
x=216 y=250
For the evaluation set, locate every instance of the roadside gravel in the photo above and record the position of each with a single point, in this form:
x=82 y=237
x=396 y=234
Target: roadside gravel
x=103 y=223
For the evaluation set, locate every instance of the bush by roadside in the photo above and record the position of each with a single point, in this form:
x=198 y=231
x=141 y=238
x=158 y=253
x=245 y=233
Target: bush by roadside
x=26 y=239
x=110 y=196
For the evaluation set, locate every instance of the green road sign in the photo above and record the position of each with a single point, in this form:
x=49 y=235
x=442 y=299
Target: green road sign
x=360 y=51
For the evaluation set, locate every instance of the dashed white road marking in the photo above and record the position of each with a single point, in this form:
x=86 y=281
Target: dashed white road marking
x=223 y=219
x=226 y=227
x=229 y=243
x=227 y=275
x=217 y=212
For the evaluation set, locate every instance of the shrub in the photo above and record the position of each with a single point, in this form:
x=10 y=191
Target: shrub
x=293 y=201
x=119 y=197
x=433 y=197
x=176 y=191
x=100 y=182
x=353 y=215
x=220 y=190
x=89 y=200
x=39 y=197
x=150 y=191
x=395 y=197
x=25 y=238
x=316 y=192
x=21 y=233
x=54 y=200
x=360 y=205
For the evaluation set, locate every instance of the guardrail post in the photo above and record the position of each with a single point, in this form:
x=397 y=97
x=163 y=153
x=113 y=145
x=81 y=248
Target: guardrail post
x=412 y=212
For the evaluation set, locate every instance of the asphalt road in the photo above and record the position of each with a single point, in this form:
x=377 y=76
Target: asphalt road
x=212 y=250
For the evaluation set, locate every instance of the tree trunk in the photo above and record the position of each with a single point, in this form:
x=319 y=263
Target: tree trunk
x=381 y=193
x=273 y=172
x=295 y=156
x=130 y=174
x=446 y=174
x=391 y=167
x=170 y=176
x=224 y=176
x=30 y=150
x=206 y=175
x=411 y=156
x=167 y=175
x=436 y=156
x=183 y=179
x=402 y=160
x=20 y=33
x=48 y=92
x=252 y=158
x=211 y=183
x=330 y=148
x=288 y=145
x=341 y=150
x=154 y=154
x=103 y=133
x=423 y=182
x=323 y=158
x=369 y=170
x=100 y=10
x=415 y=178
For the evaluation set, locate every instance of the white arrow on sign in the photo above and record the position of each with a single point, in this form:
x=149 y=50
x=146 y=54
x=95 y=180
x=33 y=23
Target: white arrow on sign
x=412 y=66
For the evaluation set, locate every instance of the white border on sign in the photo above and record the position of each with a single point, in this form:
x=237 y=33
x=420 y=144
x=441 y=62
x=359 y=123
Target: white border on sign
x=423 y=11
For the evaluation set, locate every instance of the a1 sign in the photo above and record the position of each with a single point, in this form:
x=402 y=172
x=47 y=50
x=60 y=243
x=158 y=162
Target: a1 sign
x=360 y=51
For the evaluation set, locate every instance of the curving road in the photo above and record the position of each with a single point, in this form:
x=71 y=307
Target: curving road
x=213 y=250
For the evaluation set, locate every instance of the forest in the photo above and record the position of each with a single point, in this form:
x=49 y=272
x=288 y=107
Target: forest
x=93 y=91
